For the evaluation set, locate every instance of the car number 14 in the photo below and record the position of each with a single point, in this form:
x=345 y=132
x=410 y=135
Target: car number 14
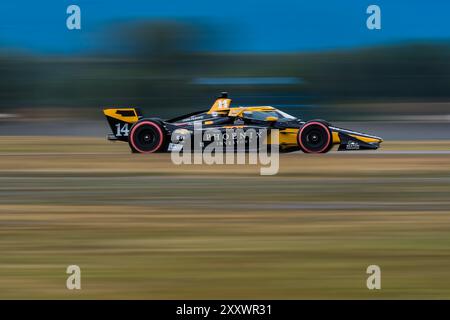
x=122 y=130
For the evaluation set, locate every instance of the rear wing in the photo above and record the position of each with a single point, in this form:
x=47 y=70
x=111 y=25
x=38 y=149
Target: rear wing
x=120 y=121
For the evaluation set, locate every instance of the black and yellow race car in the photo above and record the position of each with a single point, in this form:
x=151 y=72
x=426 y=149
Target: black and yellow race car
x=148 y=135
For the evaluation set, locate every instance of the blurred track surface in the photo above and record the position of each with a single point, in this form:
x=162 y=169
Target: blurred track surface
x=141 y=227
x=388 y=130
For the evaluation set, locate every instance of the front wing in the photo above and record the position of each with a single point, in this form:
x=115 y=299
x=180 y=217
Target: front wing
x=349 y=140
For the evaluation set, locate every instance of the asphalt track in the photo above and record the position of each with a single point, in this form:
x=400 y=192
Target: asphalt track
x=141 y=227
x=397 y=131
x=343 y=153
x=99 y=128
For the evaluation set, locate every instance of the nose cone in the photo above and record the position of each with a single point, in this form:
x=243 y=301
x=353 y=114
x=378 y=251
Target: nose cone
x=368 y=138
x=353 y=140
x=380 y=140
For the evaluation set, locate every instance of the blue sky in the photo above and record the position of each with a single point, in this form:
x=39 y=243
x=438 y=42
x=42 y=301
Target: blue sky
x=245 y=25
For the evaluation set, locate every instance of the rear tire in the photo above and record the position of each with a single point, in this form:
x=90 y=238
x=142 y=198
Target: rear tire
x=315 y=137
x=147 y=136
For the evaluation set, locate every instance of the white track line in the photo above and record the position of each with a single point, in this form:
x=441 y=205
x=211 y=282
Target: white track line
x=374 y=152
x=12 y=154
x=394 y=152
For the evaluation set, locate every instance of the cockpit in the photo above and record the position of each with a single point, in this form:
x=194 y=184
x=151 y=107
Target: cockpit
x=274 y=115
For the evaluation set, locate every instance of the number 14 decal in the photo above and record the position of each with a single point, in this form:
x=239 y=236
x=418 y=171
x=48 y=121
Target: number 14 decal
x=122 y=130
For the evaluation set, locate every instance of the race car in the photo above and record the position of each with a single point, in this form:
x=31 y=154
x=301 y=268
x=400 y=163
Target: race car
x=149 y=135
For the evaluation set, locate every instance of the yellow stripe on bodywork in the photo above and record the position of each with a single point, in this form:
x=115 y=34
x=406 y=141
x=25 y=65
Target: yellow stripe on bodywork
x=239 y=111
x=113 y=114
x=234 y=127
x=337 y=140
x=289 y=137
x=286 y=137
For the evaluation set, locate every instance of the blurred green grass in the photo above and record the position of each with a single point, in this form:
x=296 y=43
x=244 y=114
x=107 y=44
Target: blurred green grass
x=142 y=228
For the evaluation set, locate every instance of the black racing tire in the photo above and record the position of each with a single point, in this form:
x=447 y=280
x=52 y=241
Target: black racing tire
x=315 y=137
x=147 y=136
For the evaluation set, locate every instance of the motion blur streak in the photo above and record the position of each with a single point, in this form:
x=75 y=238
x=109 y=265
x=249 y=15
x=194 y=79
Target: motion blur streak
x=162 y=67
x=140 y=227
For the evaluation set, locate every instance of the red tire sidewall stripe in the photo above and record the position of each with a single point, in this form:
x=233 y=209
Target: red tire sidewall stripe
x=153 y=125
x=307 y=125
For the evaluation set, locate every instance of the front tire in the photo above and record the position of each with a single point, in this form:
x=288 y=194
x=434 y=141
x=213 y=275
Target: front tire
x=315 y=137
x=147 y=136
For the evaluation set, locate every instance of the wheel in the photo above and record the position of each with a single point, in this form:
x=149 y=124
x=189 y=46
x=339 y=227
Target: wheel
x=315 y=137
x=147 y=136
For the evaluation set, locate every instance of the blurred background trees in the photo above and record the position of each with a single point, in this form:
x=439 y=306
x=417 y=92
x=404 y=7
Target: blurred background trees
x=156 y=65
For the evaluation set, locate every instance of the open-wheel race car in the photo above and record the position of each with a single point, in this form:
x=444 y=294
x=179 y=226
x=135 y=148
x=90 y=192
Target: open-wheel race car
x=148 y=135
